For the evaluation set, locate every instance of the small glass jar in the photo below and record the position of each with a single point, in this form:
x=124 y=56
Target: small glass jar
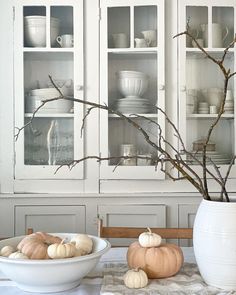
x=128 y=150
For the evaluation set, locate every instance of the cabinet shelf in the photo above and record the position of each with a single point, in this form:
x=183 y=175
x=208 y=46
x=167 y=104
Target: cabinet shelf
x=49 y=115
x=153 y=115
x=47 y=49
x=148 y=50
x=209 y=116
x=208 y=49
x=215 y=52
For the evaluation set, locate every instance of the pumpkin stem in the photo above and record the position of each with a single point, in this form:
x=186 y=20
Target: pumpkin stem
x=149 y=230
x=62 y=242
x=136 y=268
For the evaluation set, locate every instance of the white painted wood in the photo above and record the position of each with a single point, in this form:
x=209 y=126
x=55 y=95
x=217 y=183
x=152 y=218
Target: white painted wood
x=132 y=215
x=191 y=66
x=186 y=218
x=118 y=16
x=32 y=66
x=50 y=219
x=91 y=174
x=6 y=109
x=91 y=132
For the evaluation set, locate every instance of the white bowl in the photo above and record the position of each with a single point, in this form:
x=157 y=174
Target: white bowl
x=51 y=275
x=35 y=31
x=130 y=74
x=39 y=19
x=132 y=86
x=51 y=92
x=32 y=102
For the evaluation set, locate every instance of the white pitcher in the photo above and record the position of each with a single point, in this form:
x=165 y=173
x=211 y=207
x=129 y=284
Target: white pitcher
x=217 y=34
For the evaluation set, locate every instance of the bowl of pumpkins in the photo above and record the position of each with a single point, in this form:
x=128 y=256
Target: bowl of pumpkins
x=43 y=262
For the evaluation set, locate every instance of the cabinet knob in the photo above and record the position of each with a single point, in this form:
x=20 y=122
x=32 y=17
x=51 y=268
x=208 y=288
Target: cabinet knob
x=161 y=87
x=183 y=88
x=79 y=87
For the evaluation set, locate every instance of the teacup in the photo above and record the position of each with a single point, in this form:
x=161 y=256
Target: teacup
x=140 y=43
x=65 y=40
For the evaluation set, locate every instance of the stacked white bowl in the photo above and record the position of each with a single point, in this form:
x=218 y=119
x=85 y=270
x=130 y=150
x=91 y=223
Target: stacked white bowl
x=36 y=96
x=35 y=30
x=203 y=107
x=132 y=85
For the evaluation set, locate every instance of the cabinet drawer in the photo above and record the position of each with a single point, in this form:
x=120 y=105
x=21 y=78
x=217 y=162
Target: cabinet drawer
x=50 y=219
x=133 y=216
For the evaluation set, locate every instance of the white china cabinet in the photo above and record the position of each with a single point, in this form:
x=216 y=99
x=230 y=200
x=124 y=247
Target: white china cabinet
x=132 y=82
x=201 y=82
x=48 y=41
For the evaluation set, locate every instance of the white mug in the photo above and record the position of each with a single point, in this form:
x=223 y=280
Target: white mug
x=65 y=40
x=128 y=150
x=139 y=43
x=120 y=40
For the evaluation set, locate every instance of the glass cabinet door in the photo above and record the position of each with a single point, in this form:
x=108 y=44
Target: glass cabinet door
x=201 y=85
x=132 y=82
x=48 y=50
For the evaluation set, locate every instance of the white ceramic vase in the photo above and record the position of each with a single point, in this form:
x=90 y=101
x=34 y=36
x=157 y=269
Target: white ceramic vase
x=214 y=242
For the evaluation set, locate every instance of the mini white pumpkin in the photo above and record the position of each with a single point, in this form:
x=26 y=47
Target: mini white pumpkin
x=135 y=279
x=83 y=243
x=7 y=250
x=149 y=239
x=18 y=255
x=60 y=250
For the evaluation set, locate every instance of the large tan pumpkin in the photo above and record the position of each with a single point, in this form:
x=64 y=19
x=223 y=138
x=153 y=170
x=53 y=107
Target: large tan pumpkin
x=158 y=262
x=35 y=245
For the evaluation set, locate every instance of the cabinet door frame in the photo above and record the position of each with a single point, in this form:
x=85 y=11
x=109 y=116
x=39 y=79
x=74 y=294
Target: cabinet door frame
x=182 y=92
x=129 y=172
x=77 y=213
x=23 y=171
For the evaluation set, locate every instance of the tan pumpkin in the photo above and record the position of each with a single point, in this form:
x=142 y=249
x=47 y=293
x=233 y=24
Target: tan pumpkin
x=57 y=251
x=35 y=245
x=158 y=262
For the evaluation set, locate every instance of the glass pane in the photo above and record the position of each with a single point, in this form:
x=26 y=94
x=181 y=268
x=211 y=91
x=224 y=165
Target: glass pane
x=203 y=101
x=220 y=152
x=197 y=20
x=145 y=26
x=37 y=85
x=49 y=141
x=34 y=26
x=125 y=140
x=62 y=26
x=132 y=89
x=132 y=77
x=222 y=26
x=118 y=27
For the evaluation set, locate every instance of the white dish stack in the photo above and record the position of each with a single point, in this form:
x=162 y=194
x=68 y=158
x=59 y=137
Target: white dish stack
x=34 y=100
x=203 y=108
x=132 y=85
x=35 y=30
x=229 y=103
